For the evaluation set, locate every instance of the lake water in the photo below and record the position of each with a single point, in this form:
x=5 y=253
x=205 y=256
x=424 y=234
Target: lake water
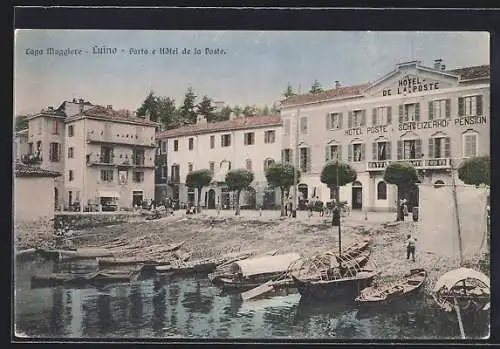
x=191 y=307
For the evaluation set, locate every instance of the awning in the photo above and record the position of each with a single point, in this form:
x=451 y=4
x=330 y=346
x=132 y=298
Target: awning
x=108 y=194
x=451 y=278
x=264 y=265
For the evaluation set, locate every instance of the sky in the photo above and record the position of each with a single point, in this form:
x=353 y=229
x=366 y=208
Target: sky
x=255 y=69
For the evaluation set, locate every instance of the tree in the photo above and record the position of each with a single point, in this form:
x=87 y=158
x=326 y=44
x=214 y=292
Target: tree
x=289 y=92
x=265 y=111
x=316 y=87
x=249 y=111
x=280 y=175
x=224 y=113
x=404 y=176
x=21 y=122
x=206 y=109
x=198 y=179
x=187 y=111
x=150 y=105
x=336 y=174
x=475 y=170
x=167 y=112
x=275 y=109
x=237 y=180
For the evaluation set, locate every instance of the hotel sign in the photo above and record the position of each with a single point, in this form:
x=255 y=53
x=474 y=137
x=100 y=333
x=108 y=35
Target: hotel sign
x=411 y=84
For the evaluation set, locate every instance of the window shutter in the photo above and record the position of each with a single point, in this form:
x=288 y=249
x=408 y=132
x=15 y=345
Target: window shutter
x=448 y=108
x=418 y=149
x=374 y=151
x=363 y=118
x=349 y=153
x=327 y=153
x=222 y=140
x=328 y=122
x=363 y=151
x=374 y=116
x=417 y=111
x=389 y=116
x=50 y=152
x=349 y=120
x=339 y=152
x=447 y=150
x=431 y=148
x=431 y=110
x=341 y=117
x=479 y=105
x=461 y=106
x=400 y=150
x=59 y=152
x=401 y=113
x=309 y=160
x=388 y=150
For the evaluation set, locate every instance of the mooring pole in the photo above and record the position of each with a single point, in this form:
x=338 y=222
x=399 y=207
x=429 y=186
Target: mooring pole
x=460 y=324
x=457 y=217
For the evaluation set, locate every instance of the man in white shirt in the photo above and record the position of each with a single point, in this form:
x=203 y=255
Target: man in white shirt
x=410 y=247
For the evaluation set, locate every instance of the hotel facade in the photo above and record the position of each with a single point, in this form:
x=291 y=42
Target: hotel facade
x=431 y=117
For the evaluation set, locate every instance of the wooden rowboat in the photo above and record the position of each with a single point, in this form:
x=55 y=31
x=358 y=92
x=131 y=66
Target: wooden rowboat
x=92 y=279
x=410 y=284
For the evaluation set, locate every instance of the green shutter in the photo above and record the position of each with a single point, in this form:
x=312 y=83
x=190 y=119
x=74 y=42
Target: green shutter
x=431 y=148
x=401 y=113
x=327 y=153
x=349 y=120
x=417 y=111
x=363 y=151
x=374 y=151
x=349 y=153
x=388 y=150
x=374 y=116
x=461 y=106
x=431 y=110
x=418 y=149
x=448 y=108
x=400 y=150
x=389 y=115
x=447 y=150
x=479 y=105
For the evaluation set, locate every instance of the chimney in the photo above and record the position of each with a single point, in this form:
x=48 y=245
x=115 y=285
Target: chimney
x=337 y=84
x=80 y=101
x=443 y=67
x=109 y=107
x=232 y=116
x=437 y=64
x=200 y=119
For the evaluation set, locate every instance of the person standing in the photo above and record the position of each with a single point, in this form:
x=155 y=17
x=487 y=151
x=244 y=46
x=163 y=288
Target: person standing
x=410 y=247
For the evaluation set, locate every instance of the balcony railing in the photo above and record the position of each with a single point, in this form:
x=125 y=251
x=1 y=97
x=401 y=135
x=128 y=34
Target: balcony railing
x=31 y=159
x=102 y=160
x=419 y=164
x=113 y=139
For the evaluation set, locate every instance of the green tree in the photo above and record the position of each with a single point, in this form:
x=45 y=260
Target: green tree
x=336 y=174
x=280 y=175
x=21 y=122
x=150 y=105
x=265 y=111
x=289 y=92
x=237 y=110
x=198 y=179
x=316 y=87
x=249 y=111
x=207 y=109
x=167 y=112
x=187 y=110
x=237 y=180
x=224 y=113
x=404 y=176
x=275 y=109
x=475 y=170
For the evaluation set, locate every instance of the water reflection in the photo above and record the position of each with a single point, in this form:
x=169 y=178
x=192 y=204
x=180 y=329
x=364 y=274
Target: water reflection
x=166 y=306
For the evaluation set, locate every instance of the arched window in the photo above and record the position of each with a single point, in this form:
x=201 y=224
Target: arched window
x=381 y=191
x=438 y=184
x=249 y=165
x=267 y=163
x=357 y=184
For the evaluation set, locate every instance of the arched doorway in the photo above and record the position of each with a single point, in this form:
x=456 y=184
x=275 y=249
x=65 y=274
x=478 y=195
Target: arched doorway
x=303 y=195
x=211 y=199
x=56 y=198
x=357 y=196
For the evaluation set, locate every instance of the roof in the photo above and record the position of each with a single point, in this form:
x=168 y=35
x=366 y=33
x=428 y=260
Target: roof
x=264 y=265
x=23 y=170
x=472 y=73
x=339 y=92
x=228 y=125
x=103 y=113
x=451 y=278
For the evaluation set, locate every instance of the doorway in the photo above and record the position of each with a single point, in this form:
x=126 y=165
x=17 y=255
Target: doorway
x=357 y=196
x=137 y=198
x=56 y=199
x=303 y=196
x=211 y=199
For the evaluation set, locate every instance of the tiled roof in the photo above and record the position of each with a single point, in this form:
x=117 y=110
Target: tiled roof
x=23 y=170
x=469 y=73
x=235 y=124
x=100 y=112
x=339 y=92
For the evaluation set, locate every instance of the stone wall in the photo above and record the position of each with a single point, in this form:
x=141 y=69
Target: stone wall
x=92 y=219
x=34 y=234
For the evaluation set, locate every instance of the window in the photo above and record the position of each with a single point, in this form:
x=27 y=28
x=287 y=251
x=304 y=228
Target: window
x=439 y=147
x=55 y=127
x=381 y=191
x=269 y=137
x=303 y=125
x=225 y=140
x=287 y=126
x=107 y=175
x=138 y=176
x=55 y=152
x=409 y=112
x=333 y=152
x=248 y=164
x=286 y=155
x=70 y=197
x=305 y=160
x=191 y=143
x=176 y=145
x=470 y=141
x=381 y=151
x=409 y=149
x=470 y=106
x=211 y=165
x=357 y=118
x=71 y=131
x=70 y=175
x=163 y=147
x=70 y=153
x=381 y=116
x=268 y=162
x=212 y=142
x=249 y=138
x=333 y=121
x=175 y=173
x=439 y=109
x=107 y=155
x=356 y=152
x=190 y=167
x=30 y=148
x=77 y=196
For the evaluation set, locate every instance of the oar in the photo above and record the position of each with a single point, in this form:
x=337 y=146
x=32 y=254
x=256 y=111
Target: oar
x=460 y=324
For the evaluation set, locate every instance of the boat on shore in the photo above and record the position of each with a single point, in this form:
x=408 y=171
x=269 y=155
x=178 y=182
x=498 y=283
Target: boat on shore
x=98 y=278
x=407 y=286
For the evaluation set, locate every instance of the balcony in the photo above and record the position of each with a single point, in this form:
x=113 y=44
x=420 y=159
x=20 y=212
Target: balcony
x=101 y=160
x=174 y=180
x=419 y=164
x=140 y=162
x=114 y=140
x=32 y=159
